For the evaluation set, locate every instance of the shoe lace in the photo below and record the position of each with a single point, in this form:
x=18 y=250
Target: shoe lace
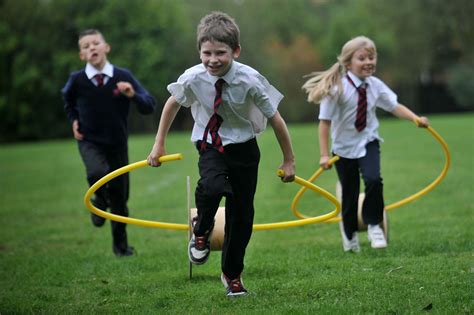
x=377 y=235
x=235 y=285
x=201 y=242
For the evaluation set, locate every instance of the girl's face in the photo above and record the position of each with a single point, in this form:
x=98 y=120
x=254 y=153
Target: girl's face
x=217 y=57
x=93 y=49
x=363 y=63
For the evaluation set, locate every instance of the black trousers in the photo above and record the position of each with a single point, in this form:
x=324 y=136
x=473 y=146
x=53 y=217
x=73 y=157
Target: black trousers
x=99 y=161
x=349 y=171
x=233 y=175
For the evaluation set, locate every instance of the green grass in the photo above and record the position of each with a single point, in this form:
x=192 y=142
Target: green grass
x=53 y=261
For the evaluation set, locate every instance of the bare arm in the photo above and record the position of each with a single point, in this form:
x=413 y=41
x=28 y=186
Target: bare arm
x=323 y=132
x=284 y=140
x=403 y=112
x=168 y=115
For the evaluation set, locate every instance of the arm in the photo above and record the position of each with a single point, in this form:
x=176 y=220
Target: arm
x=323 y=131
x=70 y=107
x=403 y=112
x=170 y=110
x=138 y=94
x=283 y=137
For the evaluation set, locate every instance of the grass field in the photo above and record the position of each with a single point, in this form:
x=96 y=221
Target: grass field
x=53 y=261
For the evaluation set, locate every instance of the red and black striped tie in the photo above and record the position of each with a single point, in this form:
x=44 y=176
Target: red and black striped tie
x=100 y=79
x=361 y=118
x=215 y=121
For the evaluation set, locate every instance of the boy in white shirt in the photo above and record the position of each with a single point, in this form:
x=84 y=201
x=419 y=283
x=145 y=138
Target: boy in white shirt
x=230 y=103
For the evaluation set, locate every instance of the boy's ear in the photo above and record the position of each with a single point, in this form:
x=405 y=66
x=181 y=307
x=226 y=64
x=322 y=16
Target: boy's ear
x=236 y=52
x=107 y=48
x=82 y=56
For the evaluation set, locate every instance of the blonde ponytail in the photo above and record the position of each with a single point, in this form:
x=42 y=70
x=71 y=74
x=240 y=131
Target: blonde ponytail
x=321 y=83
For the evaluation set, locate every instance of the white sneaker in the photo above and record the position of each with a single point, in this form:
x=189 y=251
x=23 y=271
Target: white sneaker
x=349 y=245
x=376 y=236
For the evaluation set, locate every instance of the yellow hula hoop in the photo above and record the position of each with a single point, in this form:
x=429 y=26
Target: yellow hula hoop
x=307 y=220
x=104 y=180
x=300 y=193
x=394 y=205
x=176 y=226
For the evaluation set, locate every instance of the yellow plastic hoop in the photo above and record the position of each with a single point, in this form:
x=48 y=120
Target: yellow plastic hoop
x=119 y=218
x=300 y=193
x=176 y=226
x=394 y=205
x=307 y=220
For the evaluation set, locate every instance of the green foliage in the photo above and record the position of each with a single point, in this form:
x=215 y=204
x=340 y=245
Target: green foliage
x=155 y=39
x=461 y=85
x=53 y=261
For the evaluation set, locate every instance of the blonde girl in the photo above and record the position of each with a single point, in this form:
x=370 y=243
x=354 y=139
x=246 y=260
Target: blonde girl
x=349 y=95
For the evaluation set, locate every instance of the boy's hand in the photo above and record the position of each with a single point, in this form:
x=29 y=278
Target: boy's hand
x=155 y=154
x=75 y=129
x=423 y=122
x=289 y=169
x=126 y=89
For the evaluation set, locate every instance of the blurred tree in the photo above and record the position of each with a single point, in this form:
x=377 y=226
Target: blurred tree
x=41 y=49
x=425 y=50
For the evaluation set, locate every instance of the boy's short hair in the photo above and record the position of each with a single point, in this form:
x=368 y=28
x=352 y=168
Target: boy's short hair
x=218 y=26
x=91 y=31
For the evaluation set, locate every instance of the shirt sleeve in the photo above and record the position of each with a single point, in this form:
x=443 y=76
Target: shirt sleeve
x=182 y=91
x=327 y=108
x=386 y=99
x=267 y=97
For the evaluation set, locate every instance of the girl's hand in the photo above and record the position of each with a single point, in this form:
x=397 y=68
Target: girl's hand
x=324 y=162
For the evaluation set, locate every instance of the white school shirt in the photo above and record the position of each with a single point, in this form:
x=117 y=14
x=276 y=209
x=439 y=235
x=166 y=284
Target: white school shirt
x=248 y=100
x=108 y=70
x=341 y=110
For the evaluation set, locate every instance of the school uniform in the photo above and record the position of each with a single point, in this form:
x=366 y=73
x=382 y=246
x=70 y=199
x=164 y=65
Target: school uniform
x=102 y=113
x=359 y=151
x=248 y=100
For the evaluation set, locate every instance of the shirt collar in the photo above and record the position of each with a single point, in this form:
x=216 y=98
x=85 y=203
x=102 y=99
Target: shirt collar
x=108 y=70
x=358 y=82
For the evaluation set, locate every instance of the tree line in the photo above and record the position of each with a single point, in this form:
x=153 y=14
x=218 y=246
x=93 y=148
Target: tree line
x=425 y=51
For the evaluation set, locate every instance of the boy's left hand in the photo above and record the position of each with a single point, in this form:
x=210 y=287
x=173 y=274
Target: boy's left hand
x=126 y=89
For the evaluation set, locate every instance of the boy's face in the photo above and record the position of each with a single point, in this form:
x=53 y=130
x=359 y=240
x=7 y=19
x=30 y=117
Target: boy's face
x=217 y=57
x=93 y=49
x=363 y=63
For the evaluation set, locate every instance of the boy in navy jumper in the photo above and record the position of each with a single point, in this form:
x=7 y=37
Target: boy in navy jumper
x=97 y=101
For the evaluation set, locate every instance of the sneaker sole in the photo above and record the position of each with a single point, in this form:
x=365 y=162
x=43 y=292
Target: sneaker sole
x=237 y=295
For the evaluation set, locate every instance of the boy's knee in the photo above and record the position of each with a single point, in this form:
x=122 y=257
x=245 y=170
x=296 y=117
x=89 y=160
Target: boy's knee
x=96 y=173
x=213 y=188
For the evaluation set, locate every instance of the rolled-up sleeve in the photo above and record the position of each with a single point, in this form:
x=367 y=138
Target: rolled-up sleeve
x=387 y=99
x=267 y=97
x=182 y=91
